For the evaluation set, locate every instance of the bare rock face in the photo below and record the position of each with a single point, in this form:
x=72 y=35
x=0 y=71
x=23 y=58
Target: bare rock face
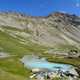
x=55 y=29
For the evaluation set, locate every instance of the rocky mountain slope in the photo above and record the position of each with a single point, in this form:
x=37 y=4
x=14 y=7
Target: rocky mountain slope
x=54 y=30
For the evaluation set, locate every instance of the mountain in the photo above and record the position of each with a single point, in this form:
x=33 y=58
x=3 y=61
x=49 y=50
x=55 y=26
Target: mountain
x=21 y=34
x=54 y=30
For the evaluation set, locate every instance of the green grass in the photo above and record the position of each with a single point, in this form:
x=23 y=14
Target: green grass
x=11 y=45
x=9 y=76
x=14 y=66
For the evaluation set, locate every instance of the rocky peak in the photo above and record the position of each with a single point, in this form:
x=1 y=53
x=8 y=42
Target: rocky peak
x=65 y=17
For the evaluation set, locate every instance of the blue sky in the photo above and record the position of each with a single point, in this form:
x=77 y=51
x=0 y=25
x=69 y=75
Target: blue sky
x=41 y=7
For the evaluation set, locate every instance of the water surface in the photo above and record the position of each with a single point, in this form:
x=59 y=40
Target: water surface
x=32 y=62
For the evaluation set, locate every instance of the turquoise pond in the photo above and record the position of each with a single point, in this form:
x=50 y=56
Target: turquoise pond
x=35 y=62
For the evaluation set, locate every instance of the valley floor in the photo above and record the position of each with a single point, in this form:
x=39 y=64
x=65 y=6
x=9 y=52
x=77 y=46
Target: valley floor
x=12 y=69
